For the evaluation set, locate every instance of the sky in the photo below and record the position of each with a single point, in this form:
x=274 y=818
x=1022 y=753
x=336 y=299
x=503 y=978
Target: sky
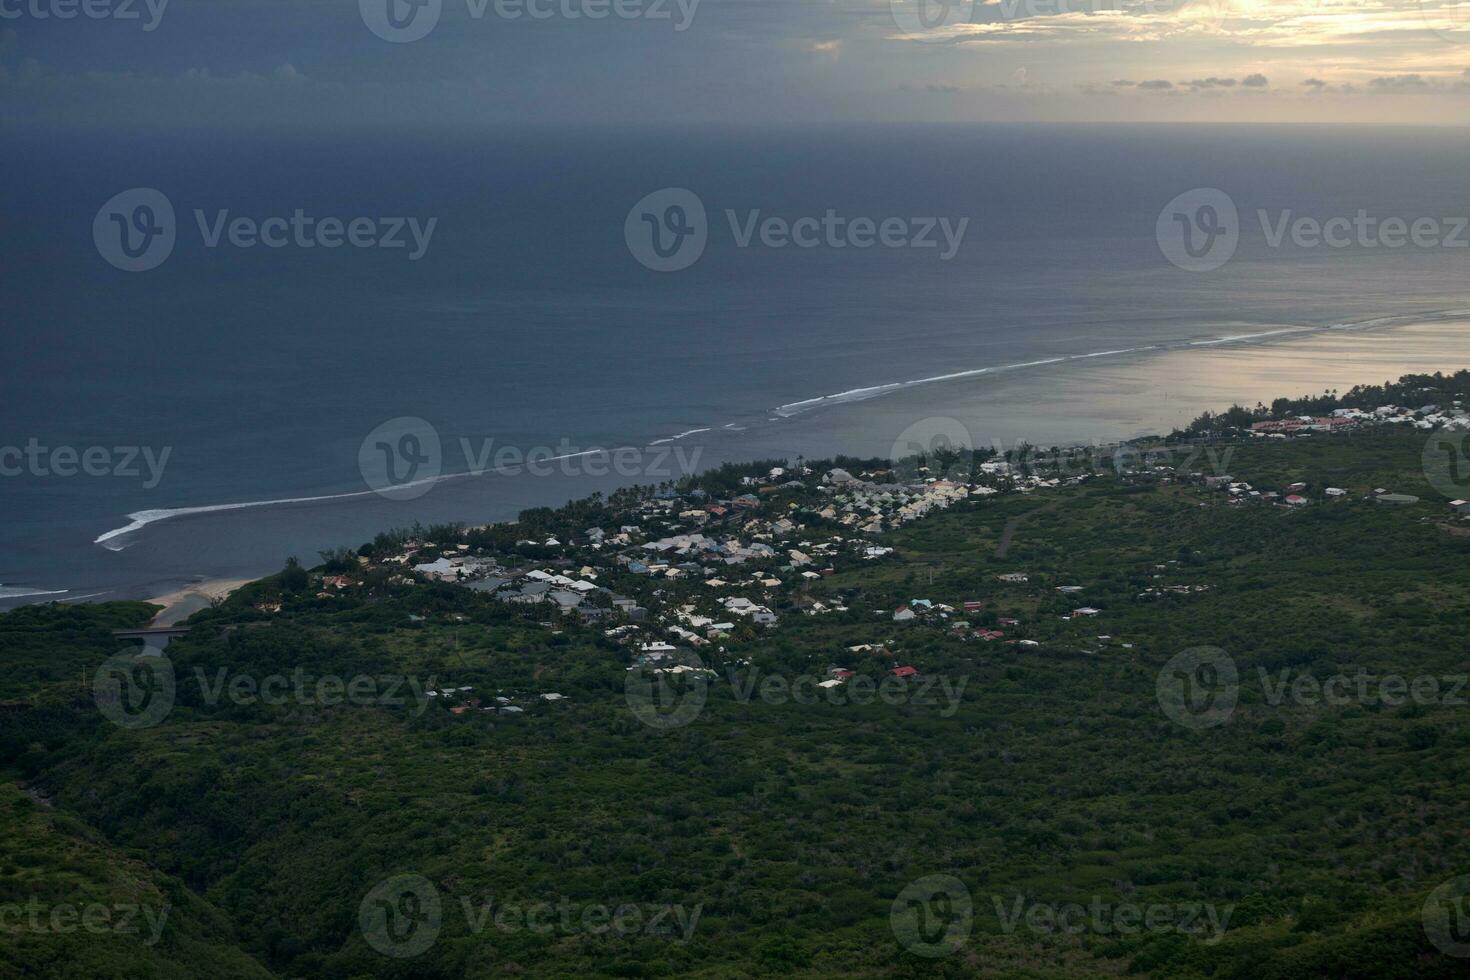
x=356 y=63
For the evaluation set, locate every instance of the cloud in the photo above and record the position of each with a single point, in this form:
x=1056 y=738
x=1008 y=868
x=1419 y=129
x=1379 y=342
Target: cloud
x=1398 y=83
x=1315 y=83
x=1255 y=81
x=1156 y=83
x=1212 y=82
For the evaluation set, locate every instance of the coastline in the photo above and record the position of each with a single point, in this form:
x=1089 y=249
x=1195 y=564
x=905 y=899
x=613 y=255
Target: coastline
x=182 y=603
x=1065 y=400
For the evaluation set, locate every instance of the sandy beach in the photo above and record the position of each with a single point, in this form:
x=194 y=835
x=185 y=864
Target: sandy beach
x=183 y=603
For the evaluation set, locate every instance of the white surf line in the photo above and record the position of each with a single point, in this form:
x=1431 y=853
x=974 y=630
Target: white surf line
x=1431 y=316
x=141 y=519
x=1253 y=336
x=24 y=591
x=872 y=391
x=681 y=435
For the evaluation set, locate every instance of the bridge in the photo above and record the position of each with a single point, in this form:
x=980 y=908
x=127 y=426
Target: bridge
x=153 y=639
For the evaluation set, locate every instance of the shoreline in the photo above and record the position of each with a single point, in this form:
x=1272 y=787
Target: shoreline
x=1109 y=396
x=182 y=603
x=794 y=411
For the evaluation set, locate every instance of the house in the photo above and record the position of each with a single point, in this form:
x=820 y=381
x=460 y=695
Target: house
x=440 y=568
x=1296 y=500
x=904 y=672
x=902 y=614
x=1396 y=499
x=1335 y=492
x=1460 y=506
x=1013 y=577
x=1086 y=611
x=973 y=605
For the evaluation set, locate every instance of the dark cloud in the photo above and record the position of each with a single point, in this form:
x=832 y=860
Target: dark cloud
x=1315 y=83
x=1255 y=81
x=1212 y=82
x=1156 y=83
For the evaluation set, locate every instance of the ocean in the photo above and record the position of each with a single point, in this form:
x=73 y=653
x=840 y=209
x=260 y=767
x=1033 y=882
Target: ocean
x=242 y=401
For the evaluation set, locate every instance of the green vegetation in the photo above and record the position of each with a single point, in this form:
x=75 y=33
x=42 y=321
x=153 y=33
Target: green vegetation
x=778 y=832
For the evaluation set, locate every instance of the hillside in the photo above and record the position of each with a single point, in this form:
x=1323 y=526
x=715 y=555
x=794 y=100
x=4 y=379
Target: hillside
x=1048 y=795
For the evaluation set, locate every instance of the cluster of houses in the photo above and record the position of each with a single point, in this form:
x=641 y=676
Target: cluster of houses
x=712 y=565
x=686 y=569
x=1454 y=417
x=463 y=700
x=1293 y=495
x=1300 y=495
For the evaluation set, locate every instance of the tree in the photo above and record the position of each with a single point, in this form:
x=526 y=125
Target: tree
x=293 y=576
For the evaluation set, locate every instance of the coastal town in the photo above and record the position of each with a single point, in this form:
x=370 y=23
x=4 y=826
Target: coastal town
x=685 y=577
